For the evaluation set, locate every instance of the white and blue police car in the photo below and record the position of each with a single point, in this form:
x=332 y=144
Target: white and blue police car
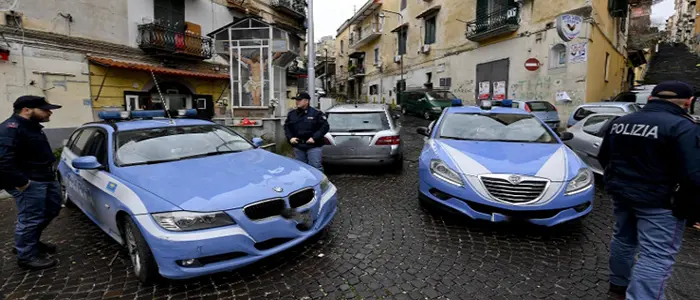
x=502 y=164
x=189 y=197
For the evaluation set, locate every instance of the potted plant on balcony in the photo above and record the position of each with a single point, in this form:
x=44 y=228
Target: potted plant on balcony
x=352 y=68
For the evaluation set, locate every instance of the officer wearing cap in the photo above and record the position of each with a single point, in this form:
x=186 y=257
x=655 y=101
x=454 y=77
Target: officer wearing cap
x=304 y=129
x=649 y=156
x=26 y=172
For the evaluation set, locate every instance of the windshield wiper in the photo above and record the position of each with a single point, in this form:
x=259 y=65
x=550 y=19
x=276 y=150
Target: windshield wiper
x=362 y=130
x=455 y=138
x=153 y=162
x=150 y=162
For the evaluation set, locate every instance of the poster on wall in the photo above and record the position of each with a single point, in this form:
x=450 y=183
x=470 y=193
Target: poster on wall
x=484 y=90
x=569 y=26
x=578 y=52
x=499 y=90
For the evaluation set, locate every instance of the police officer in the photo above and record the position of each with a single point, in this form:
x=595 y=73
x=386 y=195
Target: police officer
x=26 y=172
x=305 y=128
x=647 y=156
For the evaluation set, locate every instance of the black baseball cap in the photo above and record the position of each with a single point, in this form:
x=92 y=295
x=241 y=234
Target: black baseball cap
x=673 y=89
x=34 y=102
x=301 y=96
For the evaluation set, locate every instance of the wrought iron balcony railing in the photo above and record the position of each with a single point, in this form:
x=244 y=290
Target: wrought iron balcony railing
x=488 y=25
x=296 y=8
x=162 y=40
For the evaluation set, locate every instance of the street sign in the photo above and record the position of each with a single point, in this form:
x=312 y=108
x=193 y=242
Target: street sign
x=532 y=64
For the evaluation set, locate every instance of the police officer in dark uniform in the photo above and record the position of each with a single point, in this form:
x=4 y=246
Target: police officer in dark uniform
x=27 y=173
x=649 y=156
x=304 y=129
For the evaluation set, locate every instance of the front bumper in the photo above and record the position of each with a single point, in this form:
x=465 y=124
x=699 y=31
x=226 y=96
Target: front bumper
x=232 y=247
x=466 y=201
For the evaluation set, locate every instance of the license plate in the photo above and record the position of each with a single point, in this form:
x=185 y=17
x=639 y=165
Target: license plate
x=303 y=218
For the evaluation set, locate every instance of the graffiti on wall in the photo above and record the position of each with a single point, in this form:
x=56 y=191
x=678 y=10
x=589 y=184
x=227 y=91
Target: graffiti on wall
x=539 y=88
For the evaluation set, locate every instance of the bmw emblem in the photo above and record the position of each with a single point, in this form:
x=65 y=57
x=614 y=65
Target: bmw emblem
x=514 y=179
x=278 y=189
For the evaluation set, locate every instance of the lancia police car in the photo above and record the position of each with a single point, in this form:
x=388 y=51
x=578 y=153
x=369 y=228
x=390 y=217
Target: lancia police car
x=189 y=197
x=502 y=164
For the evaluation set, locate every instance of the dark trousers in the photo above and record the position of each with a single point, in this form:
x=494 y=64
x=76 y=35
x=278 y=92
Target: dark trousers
x=37 y=206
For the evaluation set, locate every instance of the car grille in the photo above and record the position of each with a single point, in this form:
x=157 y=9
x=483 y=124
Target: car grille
x=264 y=209
x=526 y=191
x=301 y=198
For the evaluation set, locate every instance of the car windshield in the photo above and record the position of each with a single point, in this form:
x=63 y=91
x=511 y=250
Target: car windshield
x=643 y=97
x=441 y=95
x=358 y=121
x=587 y=111
x=541 y=106
x=158 y=145
x=497 y=127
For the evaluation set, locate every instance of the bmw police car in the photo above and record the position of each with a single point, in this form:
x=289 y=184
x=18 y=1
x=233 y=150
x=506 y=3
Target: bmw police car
x=502 y=164
x=189 y=197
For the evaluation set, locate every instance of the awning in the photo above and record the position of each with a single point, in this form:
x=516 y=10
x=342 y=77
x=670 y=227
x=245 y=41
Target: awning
x=402 y=26
x=429 y=11
x=357 y=54
x=156 y=69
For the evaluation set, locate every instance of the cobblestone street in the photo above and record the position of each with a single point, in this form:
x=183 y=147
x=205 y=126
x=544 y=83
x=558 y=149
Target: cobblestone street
x=382 y=244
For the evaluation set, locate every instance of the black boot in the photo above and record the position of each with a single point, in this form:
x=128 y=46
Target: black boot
x=47 y=248
x=38 y=262
x=618 y=291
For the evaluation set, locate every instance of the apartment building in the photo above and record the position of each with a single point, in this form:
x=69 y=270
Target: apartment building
x=91 y=56
x=565 y=52
x=681 y=26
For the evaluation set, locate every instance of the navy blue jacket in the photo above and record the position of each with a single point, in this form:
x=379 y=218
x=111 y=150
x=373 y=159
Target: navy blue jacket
x=305 y=124
x=647 y=154
x=25 y=153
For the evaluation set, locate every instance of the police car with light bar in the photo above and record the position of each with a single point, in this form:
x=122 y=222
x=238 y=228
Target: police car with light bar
x=502 y=164
x=189 y=197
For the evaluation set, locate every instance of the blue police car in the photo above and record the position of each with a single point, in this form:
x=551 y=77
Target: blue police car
x=189 y=197
x=502 y=164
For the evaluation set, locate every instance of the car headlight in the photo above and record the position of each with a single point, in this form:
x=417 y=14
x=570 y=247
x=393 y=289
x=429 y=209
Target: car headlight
x=189 y=221
x=325 y=185
x=437 y=109
x=440 y=170
x=583 y=180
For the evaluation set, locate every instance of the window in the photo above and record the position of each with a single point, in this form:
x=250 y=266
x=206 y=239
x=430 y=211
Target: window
x=584 y=112
x=607 y=65
x=377 y=59
x=557 y=57
x=374 y=89
x=342 y=46
x=441 y=95
x=97 y=147
x=358 y=122
x=541 y=106
x=201 y=103
x=81 y=141
x=403 y=4
x=403 y=38
x=594 y=125
x=159 y=145
x=496 y=127
x=170 y=13
x=430 y=28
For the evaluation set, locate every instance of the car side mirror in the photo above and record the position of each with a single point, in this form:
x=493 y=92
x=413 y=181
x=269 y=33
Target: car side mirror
x=423 y=131
x=566 y=136
x=258 y=142
x=86 y=163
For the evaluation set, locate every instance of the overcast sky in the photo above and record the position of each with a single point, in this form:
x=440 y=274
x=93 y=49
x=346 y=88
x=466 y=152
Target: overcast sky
x=330 y=14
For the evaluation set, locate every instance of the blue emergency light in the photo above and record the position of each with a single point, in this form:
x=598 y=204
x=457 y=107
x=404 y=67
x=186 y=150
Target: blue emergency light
x=113 y=115
x=184 y=113
x=507 y=103
x=486 y=104
x=147 y=114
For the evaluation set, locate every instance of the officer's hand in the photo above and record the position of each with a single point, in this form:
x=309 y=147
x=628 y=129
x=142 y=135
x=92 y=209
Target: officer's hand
x=25 y=187
x=294 y=141
x=310 y=141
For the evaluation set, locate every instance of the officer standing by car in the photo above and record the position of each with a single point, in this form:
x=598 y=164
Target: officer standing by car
x=650 y=156
x=304 y=129
x=27 y=173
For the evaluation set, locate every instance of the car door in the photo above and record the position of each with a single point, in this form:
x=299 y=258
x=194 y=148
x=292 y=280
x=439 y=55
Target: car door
x=591 y=137
x=75 y=186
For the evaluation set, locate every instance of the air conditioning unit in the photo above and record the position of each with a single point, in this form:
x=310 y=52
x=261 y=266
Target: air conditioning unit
x=397 y=59
x=425 y=49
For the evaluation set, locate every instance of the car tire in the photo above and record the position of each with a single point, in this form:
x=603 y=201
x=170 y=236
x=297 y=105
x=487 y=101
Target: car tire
x=65 y=200
x=404 y=111
x=397 y=165
x=426 y=115
x=143 y=263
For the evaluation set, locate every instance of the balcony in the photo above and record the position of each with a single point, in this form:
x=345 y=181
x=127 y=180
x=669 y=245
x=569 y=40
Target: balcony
x=365 y=35
x=243 y=6
x=163 y=41
x=356 y=71
x=496 y=23
x=294 y=8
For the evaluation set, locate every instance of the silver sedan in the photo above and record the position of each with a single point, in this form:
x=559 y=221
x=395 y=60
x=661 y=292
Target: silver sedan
x=363 y=134
x=588 y=135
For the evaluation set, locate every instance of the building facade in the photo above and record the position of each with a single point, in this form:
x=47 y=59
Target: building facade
x=478 y=49
x=91 y=56
x=681 y=26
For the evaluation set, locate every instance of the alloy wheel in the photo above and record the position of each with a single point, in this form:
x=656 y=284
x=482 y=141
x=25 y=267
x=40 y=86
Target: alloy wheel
x=133 y=249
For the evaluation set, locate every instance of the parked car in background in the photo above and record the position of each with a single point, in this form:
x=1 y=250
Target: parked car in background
x=544 y=110
x=638 y=94
x=585 y=110
x=363 y=134
x=427 y=103
x=502 y=164
x=588 y=136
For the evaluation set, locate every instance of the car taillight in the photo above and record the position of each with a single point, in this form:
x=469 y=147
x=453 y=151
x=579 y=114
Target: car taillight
x=527 y=108
x=389 y=140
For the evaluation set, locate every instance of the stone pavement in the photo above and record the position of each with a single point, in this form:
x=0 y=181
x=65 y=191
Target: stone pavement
x=382 y=245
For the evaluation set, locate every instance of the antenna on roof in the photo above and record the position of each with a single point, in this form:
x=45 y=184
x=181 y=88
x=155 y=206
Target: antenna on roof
x=165 y=103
